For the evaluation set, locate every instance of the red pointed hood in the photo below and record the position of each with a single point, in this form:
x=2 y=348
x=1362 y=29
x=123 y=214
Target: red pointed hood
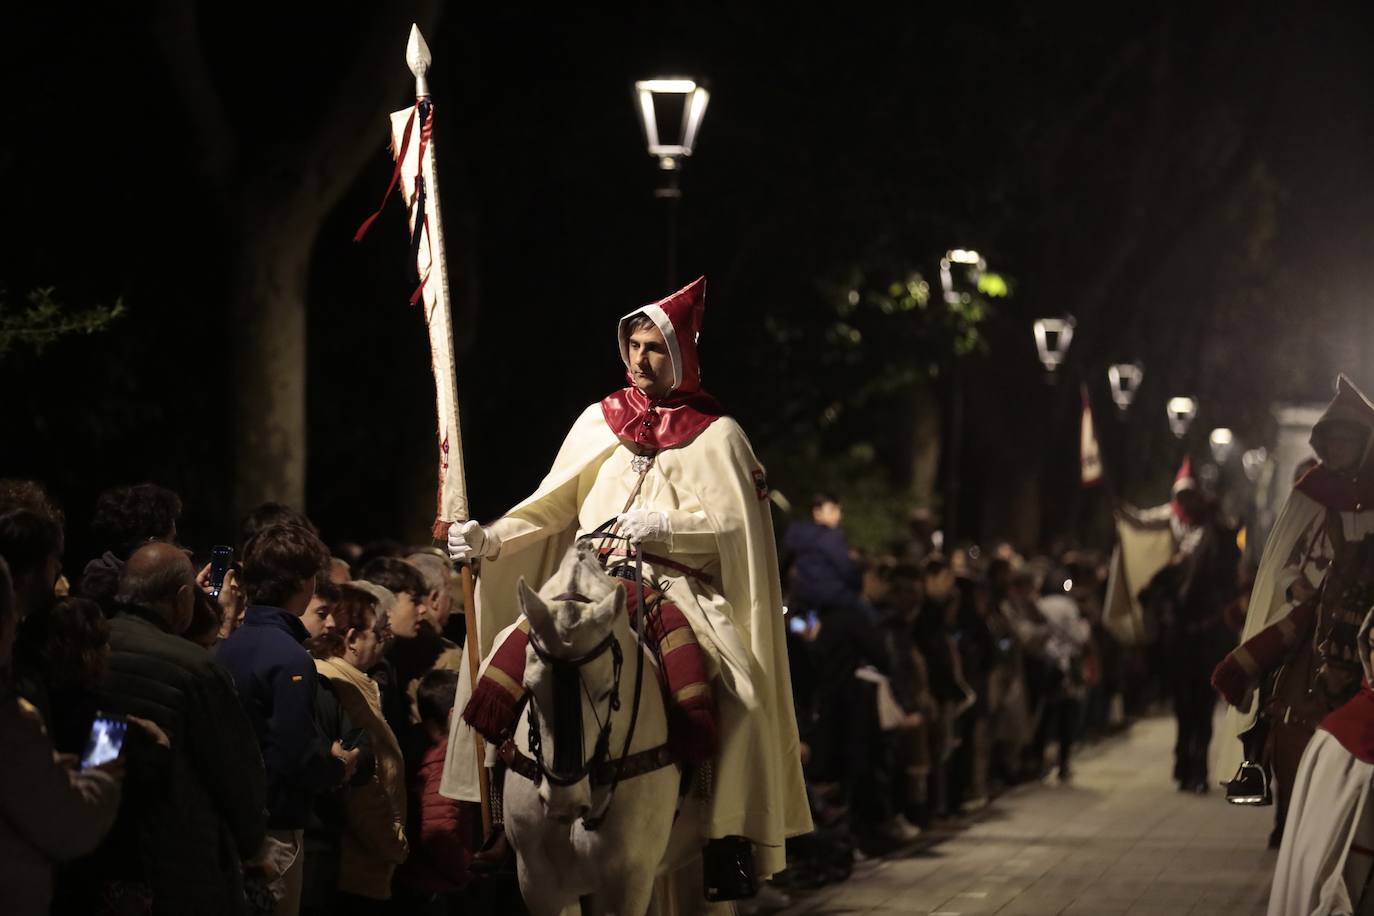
x=1184 y=479
x=674 y=420
x=678 y=318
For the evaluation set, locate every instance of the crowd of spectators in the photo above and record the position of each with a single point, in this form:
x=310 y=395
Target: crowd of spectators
x=287 y=726
x=284 y=728
x=927 y=682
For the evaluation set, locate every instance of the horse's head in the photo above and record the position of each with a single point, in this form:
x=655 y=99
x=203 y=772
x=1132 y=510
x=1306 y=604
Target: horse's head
x=571 y=667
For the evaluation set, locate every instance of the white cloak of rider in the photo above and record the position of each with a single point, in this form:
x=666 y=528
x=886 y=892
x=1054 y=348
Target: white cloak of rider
x=1299 y=545
x=713 y=491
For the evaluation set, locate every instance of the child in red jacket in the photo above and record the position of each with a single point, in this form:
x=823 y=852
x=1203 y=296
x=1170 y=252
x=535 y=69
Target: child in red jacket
x=443 y=833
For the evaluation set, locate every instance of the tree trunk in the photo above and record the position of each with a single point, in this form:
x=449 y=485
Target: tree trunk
x=925 y=445
x=267 y=303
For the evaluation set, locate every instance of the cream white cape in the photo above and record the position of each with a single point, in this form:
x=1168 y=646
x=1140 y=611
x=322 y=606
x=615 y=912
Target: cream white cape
x=1297 y=546
x=714 y=493
x=1315 y=873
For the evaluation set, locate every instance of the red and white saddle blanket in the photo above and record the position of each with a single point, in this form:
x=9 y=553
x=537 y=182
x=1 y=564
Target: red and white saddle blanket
x=693 y=734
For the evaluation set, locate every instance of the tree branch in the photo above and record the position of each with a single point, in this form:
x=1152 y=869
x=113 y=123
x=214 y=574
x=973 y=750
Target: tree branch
x=175 y=28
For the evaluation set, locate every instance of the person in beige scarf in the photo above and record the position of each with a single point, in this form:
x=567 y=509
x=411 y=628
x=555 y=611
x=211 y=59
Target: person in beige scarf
x=374 y=842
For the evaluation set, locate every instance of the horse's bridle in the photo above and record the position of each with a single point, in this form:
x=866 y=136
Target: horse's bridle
x=566 y=672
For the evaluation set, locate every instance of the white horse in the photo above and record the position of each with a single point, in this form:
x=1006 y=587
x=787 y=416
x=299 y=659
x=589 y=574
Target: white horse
x=590 y=686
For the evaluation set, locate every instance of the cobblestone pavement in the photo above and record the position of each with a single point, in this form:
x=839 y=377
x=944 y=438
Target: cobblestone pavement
x=1120 y=840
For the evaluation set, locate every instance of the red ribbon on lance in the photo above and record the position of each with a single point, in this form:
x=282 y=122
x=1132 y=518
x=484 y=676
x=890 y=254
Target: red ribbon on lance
x=395 y=178
x=421 y=230
x=425 y=131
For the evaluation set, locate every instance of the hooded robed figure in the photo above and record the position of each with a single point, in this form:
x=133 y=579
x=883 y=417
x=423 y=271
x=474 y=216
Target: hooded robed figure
x=1322 y=531
x=1326 y=861
x=680 y=477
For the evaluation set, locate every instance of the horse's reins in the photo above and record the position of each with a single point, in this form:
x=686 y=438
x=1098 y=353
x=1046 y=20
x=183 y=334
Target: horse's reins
x=564 y=671
x=655 y=757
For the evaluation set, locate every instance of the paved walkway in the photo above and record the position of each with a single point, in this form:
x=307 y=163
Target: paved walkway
x=1120 y=840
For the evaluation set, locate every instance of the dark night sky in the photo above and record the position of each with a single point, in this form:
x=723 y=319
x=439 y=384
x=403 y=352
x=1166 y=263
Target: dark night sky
x=833 y=132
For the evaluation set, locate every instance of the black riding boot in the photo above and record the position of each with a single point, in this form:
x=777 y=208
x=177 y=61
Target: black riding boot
x=728 y=869
x=495 y=854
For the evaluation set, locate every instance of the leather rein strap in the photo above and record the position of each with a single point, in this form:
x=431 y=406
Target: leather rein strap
x=602 y=772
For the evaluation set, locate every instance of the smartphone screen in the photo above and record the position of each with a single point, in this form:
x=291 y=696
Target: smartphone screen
x=220 y=558
x=106 y=741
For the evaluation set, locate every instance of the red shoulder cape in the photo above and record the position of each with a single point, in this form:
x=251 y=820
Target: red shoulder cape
x=648 y=426
x=1338 y=492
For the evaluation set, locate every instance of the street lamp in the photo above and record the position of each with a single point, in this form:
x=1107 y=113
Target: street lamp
x=1223 y=443
x=670 y=112
x=1052 y=339
x=1125 y=379
x=960 y=269
x=1181 y=414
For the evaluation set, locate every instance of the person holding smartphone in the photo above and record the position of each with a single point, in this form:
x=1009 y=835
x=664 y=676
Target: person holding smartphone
x=194 y=798
x=50 y=811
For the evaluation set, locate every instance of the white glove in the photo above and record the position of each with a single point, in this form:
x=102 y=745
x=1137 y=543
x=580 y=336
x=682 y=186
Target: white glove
x=641 y=525
x=469 y=541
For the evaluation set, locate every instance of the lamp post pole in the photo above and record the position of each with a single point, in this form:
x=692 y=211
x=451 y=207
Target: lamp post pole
x=670 y=112
x=671 y=194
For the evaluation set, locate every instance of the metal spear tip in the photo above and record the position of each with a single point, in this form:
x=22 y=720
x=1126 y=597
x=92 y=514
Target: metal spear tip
x=417 y=53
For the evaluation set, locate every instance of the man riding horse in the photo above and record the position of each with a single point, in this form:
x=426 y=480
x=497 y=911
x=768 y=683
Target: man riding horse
x=660 y=466
x=1314 y=586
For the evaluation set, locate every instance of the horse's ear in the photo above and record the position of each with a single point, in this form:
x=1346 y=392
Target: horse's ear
x=610 y=607
x=532 y=606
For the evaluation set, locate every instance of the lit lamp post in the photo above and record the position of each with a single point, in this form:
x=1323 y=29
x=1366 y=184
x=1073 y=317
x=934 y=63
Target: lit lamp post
x=960 y=269
x=1182 y=411
x=1223 y=444
x=1253 y=463
x=670 y=113
x=1125 y=379
x=1052 y=339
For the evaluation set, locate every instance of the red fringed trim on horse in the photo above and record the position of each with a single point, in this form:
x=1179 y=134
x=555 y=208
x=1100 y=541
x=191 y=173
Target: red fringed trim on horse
x=693 y=733
x=491 y=710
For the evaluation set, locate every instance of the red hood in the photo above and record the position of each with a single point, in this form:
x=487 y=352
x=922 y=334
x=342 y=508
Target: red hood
x=678 y=318
x=687 y=410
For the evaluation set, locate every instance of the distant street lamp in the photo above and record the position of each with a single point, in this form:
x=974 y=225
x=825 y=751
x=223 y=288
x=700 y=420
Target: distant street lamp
x=1052 y=339
x=670 y=114
x=1182 y=411
x=1222 y=443
x=1125 y=380
x=960 y=269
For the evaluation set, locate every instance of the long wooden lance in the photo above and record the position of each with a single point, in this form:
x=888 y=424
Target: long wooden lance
x=412 y=145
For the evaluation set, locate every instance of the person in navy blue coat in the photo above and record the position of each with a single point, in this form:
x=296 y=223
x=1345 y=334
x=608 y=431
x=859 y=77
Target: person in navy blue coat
x=276 y=682
x=823 y=575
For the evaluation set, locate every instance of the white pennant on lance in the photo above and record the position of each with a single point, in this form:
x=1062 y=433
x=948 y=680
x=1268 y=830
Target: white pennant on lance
x=412 y=146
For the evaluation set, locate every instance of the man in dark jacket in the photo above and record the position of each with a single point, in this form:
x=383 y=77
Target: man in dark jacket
x=826 y=580
x=1189 y=596
x=192 y=811
x=276 y=683
x=823 y=576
